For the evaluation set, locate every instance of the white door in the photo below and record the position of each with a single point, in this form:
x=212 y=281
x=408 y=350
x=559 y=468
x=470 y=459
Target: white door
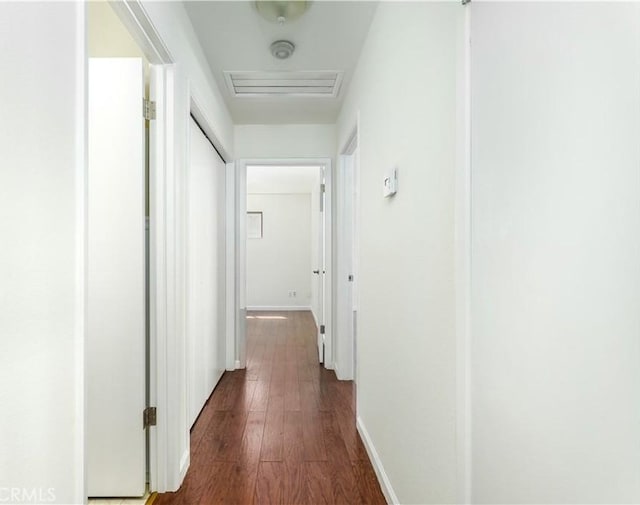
x=355 y=255
x=116 y=279
x=205 y=270
x=320 y=269
x=347 y=252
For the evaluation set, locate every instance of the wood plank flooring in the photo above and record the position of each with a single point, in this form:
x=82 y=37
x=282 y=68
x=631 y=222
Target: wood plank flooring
x=281 y=431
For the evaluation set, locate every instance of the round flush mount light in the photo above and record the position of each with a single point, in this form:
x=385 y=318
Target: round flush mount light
x=282 y=49
x=283 y=11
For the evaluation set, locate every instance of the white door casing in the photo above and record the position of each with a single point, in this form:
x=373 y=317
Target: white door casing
x=241 y=266
x=240 y=285
x=230 y=264
x=346 y=292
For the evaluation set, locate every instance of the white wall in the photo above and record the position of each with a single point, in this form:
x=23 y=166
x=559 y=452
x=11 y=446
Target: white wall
x=556 y=244
x=404 y=89
x=285 y=141
x=42 y=141
x=171 y=21
x=280 y=262
x=206 y=271
x=106 y=34
x=193 y=80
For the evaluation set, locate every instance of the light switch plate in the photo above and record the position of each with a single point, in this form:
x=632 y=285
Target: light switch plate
x=390 y=186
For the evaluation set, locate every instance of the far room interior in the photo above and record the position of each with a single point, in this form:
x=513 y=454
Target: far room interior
x=283 y=238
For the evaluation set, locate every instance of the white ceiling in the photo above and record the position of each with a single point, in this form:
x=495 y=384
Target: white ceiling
x=329 y=36
x=277 y=179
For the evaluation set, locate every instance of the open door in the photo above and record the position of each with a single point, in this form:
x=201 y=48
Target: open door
x=321 y=288
x=320 y=268
x=116 y=381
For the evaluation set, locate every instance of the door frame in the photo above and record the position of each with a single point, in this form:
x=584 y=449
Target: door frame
x=240 y=210
x=348 y=160
x=462 y=260
x=161 y=169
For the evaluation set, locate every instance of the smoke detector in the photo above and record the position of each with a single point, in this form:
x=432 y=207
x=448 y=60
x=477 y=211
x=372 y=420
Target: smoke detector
x=282 y=49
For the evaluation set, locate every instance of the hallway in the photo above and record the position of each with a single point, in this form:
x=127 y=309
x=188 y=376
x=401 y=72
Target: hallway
x=281 y=431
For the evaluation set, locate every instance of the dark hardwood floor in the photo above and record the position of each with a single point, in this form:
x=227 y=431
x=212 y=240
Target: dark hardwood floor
x=281 y=431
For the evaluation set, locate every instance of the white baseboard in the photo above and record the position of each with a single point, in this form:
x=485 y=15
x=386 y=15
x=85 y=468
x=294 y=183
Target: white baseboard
x=383 y=479
x=277 y=308
x=184 y=464
x=340 y=375
x=237 y=365
x=315 y=318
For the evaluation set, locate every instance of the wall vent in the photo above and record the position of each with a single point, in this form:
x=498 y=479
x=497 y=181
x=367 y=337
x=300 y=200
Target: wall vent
x=286 y=84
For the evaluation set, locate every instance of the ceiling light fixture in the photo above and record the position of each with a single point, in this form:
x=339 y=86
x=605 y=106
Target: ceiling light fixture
x=282 y=49
x=283 y=11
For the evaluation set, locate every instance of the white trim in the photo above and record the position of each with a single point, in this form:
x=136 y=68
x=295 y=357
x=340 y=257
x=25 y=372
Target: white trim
x=156 y=258
x=241 y=264
x=230 y=264
x=205 y=124
x=463 y=262
x=383 y=479
x=352 y=143
x=161 y=160
x=185 y=460
x=237 y=364
x=339 y=375
x=279 y=308
x=135 y=19
x=79 y=337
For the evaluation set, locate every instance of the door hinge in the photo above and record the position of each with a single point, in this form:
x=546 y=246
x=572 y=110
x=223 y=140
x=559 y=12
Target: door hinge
x=148 y=109
x=322 y=189
x=149 y=417
x=351 y=278
x=465 y=2
x=322 y=329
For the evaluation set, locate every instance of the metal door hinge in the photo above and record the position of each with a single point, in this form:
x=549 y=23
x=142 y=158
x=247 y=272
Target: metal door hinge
x=148 y=109
x=322 y=189
x=322 y=329
x=465 y=2
x=149 y=417
x=351 y=278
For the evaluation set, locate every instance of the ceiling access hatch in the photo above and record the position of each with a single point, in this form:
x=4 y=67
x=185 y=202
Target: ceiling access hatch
x=284 y=84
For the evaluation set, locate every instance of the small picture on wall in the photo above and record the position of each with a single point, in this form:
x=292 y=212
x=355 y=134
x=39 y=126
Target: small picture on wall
x=254 y=224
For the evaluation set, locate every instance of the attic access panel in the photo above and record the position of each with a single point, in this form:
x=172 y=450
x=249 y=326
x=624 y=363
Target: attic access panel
x=284 y=84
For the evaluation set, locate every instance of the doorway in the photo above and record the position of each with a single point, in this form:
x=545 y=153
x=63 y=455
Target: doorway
x=347 y=264
x=283 y=210
x=125 y=268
